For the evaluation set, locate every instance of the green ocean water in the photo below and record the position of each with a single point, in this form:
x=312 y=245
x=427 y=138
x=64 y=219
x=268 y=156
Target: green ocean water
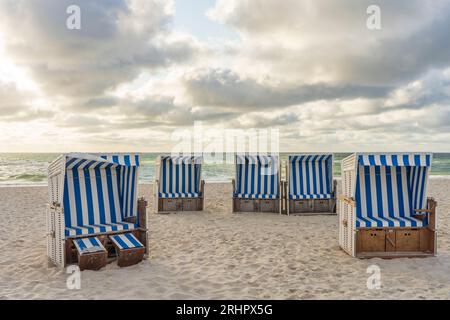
x=31 y=168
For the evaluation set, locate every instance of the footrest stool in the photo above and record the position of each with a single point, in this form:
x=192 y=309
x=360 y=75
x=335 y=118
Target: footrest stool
x=91 y=253
x=129 y=250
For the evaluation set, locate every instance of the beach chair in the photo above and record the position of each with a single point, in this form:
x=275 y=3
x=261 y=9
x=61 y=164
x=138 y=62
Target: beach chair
x=384 y=211
x=310 y=188
x=257 y=186
x=92 y=197
x=179 y=186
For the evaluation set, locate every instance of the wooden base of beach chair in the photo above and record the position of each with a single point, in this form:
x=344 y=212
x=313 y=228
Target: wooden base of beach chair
x=312 y=206
x=129 y=257
x=394 y=242
x=92 y=261
x=180 y=204
x=256 y=205
x=93 y=257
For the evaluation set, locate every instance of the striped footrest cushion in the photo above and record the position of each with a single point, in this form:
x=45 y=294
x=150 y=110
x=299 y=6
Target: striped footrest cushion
x=88 y=245
x=126 y=241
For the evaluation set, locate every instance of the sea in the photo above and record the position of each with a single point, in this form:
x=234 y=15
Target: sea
x=30 y=169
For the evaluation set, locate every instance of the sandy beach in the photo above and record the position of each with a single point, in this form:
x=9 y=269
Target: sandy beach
x=219 y=255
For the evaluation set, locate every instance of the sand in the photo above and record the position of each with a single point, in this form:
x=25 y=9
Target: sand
x=218 y=255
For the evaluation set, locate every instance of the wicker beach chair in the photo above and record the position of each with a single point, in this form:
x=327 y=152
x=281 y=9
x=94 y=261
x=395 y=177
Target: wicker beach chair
x=257 y=186
x=384 y=210
x=179 y=186
x=310 y=188
x=92 y=196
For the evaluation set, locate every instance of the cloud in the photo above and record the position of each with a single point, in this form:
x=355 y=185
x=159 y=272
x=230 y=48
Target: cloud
x=325 y=40
x=225 y=88
x=116 y=41
x=311 y=68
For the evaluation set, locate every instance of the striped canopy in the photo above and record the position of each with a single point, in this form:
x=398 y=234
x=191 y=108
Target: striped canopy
x=389 y=188
x=100 y=191
x=395 y=160
x=310 y=176
x=179 y=176
x=257 y=177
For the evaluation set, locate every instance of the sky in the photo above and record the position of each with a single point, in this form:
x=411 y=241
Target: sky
x=139 y=74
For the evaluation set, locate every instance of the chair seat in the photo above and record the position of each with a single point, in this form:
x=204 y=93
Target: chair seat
x=89 y=245
x=180 y=195
x=255 y=196
x=381 y=222
x=126 y=241
x=99 y=228
x=311 y=196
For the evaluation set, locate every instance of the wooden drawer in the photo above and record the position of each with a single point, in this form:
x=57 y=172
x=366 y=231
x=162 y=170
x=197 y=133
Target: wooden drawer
x=372 y=240
x=321 y=205
x=246 y=205
x=268 y=205
x=407 y=240
x=302 y=206
x=172 y=204
x=191 y=204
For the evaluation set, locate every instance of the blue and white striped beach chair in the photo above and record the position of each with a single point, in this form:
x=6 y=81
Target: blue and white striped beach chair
x=257 y=186
x=179 y=186
x=310 y=184
x=92 y=195
x=384 y=211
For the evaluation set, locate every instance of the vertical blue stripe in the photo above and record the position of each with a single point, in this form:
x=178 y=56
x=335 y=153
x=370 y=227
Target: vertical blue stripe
x=132 y=192
x=314 y=181
x=294 y=176
x=406 y=160
x=66 y=203
x=170 y=177
x=126 y=159
x=177 y=176
x=423 y=175
x=76 y=187
x=272 y=181
x=101 y=201
x=389 y=190
x=112 y=208
x=328 y=174
x=137 y=160
x=394 y=160
x=183 y=178
x=321 y=173
x=417 y=160
x=300 y=172
x=90 y=205
x=401 y=206
x=308 y=191
x=245 y=176
x=252 y=179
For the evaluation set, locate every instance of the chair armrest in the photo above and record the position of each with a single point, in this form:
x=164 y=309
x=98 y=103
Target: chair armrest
x=422 y=211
